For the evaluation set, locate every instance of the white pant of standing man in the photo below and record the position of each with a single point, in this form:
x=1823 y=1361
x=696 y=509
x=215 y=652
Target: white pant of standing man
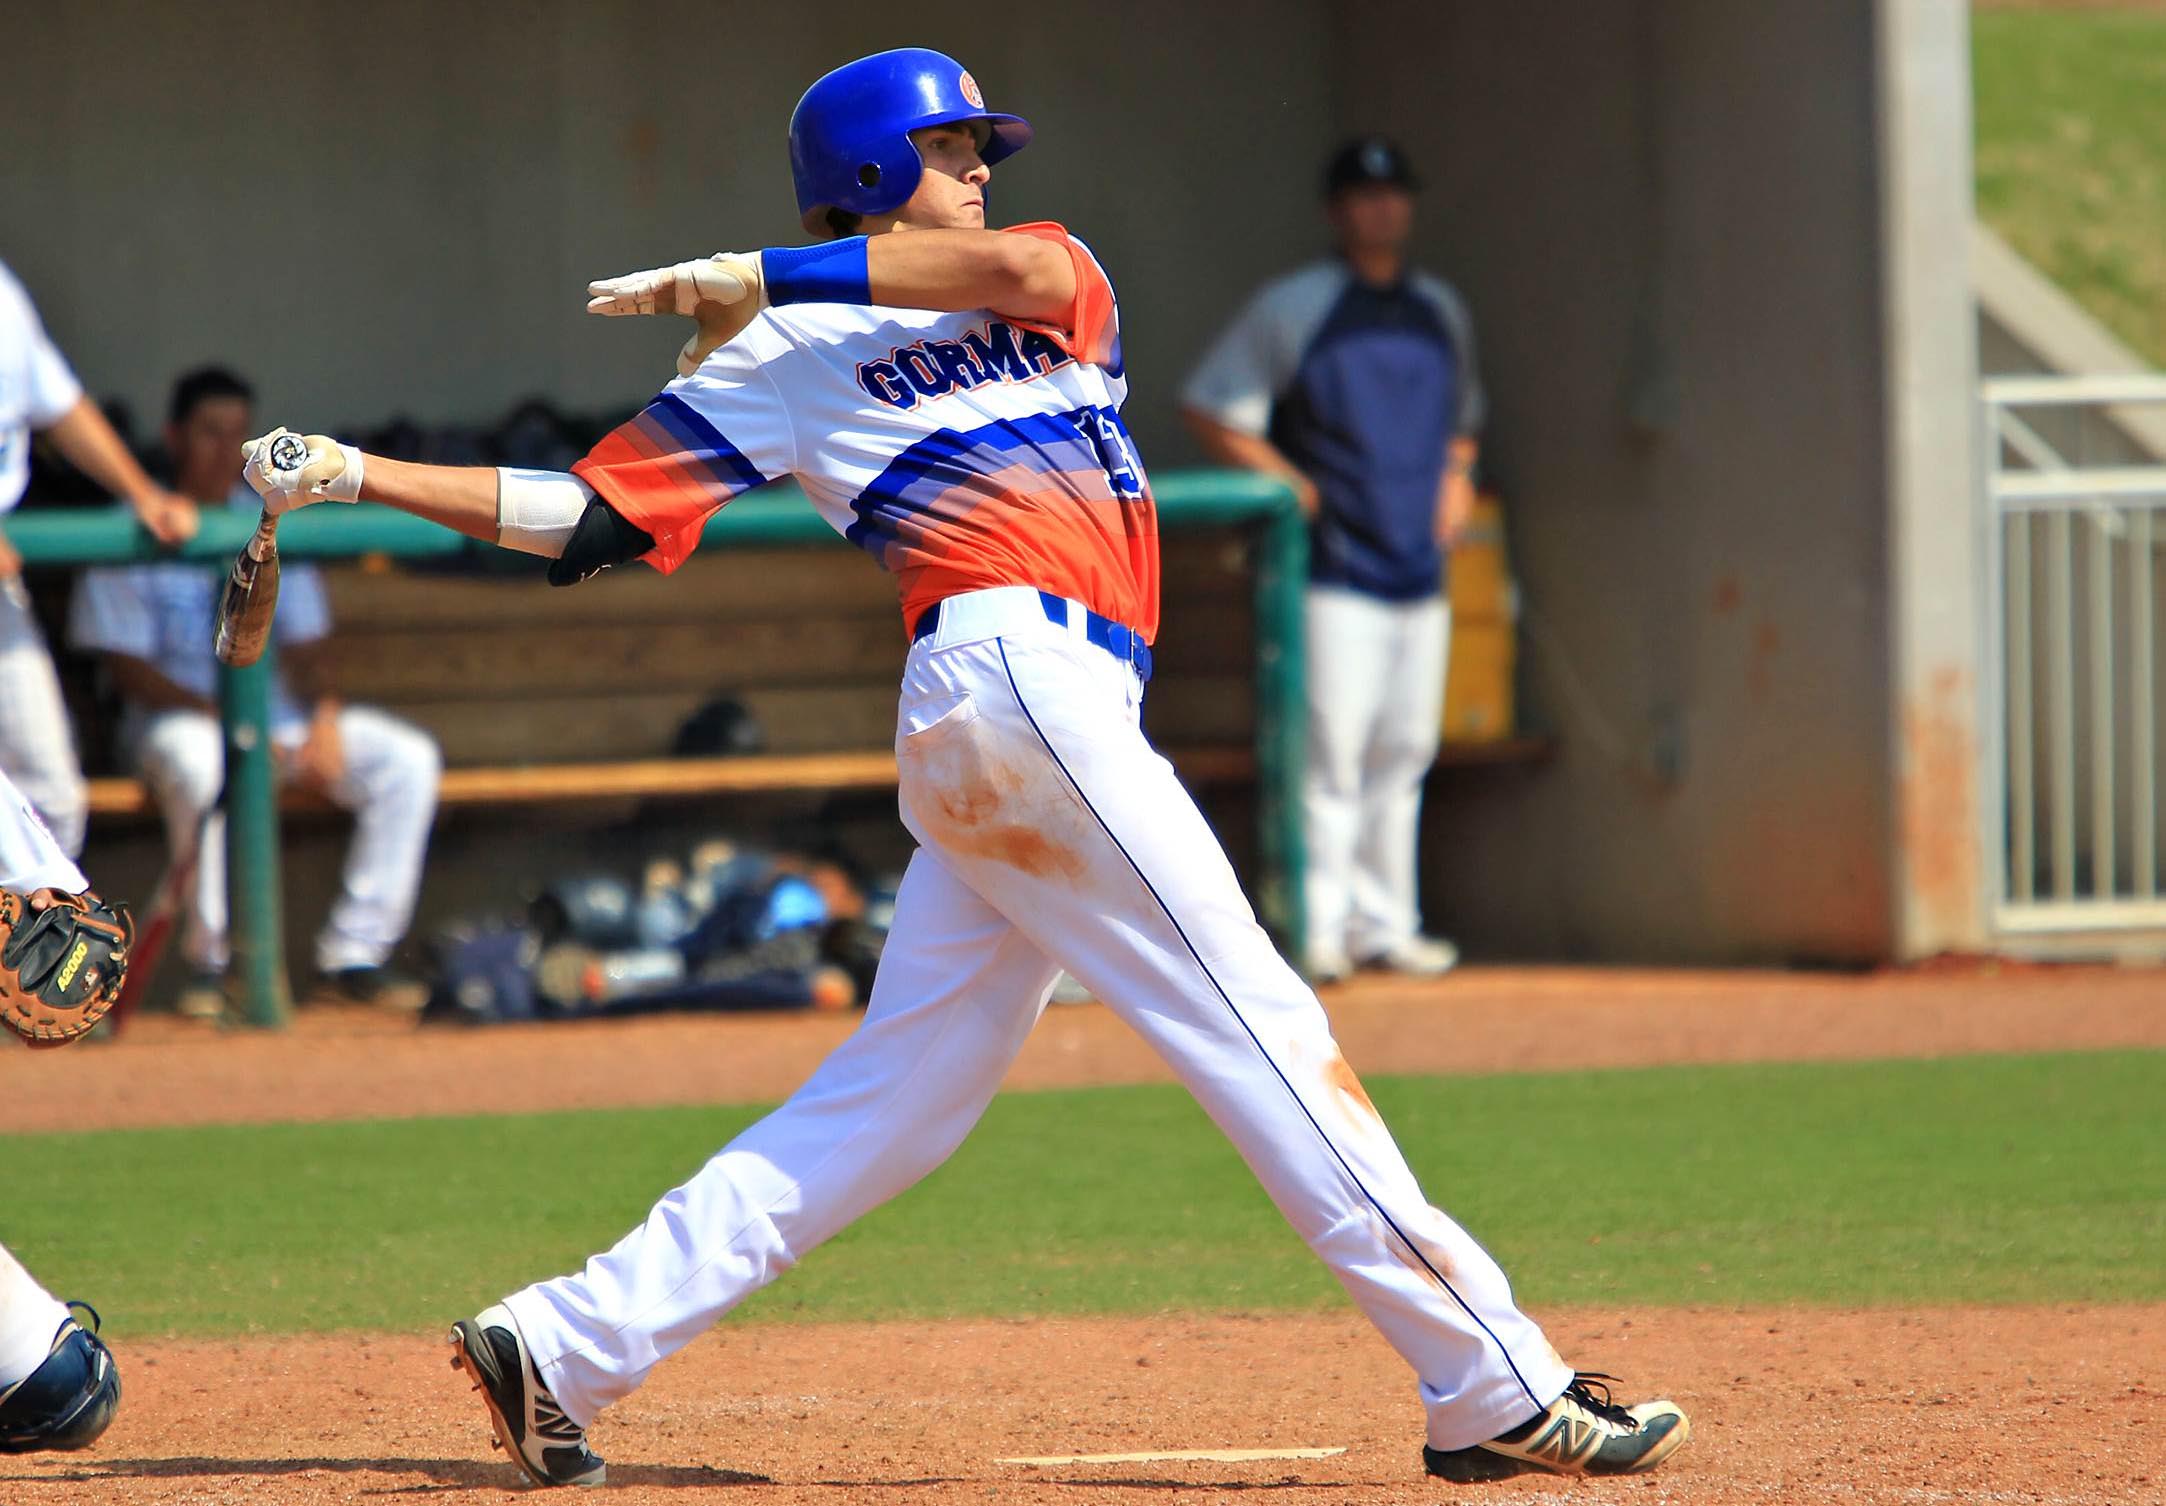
x=389 y=783
x=36 y=748
x=1376 y=717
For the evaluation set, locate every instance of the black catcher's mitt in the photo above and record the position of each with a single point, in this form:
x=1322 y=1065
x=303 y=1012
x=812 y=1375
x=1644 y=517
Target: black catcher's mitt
x=60 y=966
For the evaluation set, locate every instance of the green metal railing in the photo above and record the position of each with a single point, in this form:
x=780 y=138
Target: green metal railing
x=773 y=515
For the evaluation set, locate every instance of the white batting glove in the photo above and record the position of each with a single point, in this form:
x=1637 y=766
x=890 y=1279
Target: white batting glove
x=723 y=292
x=290 y=470
x=727 y=277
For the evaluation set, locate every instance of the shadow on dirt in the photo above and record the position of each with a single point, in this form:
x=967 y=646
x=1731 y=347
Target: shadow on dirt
x=465 y=1473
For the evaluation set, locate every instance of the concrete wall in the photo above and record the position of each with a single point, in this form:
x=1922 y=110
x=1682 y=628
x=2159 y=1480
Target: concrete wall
x=1663 y=212
x=416 y=236
x=1670 y=245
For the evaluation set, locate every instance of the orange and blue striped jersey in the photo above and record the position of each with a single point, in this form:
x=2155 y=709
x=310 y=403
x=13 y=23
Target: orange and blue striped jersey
x=962 y=451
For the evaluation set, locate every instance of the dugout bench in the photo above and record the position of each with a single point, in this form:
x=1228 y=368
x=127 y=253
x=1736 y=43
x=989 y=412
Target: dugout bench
x=499 y=666
x=808 y=639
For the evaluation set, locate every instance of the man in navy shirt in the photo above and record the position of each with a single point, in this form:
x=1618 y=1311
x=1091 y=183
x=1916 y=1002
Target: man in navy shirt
x=1353 y=379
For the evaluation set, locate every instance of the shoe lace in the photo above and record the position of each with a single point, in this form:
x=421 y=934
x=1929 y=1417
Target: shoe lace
x=1585 y=1383
x=96 y=1322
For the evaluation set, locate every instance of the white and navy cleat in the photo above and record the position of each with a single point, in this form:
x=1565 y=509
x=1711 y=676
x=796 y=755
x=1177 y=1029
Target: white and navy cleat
x=548 y=1447
x=1579 y=1433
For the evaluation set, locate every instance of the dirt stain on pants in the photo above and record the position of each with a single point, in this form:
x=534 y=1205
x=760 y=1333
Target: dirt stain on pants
x=977 y=799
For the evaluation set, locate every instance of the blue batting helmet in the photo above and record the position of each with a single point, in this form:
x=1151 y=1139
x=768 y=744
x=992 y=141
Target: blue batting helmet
x=850 y=144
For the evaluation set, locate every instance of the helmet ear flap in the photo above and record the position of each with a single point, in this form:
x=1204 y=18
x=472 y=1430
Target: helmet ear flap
x=883 y=175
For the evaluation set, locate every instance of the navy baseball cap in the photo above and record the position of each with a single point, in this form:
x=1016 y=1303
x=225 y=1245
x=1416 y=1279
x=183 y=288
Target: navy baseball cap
x=1368 y=159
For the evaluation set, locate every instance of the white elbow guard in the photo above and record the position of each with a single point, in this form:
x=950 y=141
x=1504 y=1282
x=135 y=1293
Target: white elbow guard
x=536 y=511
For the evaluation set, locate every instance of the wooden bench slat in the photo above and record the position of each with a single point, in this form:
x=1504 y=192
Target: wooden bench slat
x=729 y=586
x=398 y=666
x=667 y=776
x=662 y=777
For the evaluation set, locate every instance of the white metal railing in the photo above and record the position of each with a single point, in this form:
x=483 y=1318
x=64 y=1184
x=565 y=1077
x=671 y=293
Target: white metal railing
x=2070 y=775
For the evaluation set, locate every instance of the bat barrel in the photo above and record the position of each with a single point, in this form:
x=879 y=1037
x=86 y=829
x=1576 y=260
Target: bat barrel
x=250 y=598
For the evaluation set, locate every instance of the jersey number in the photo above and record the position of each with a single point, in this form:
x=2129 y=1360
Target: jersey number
x=1116 y=451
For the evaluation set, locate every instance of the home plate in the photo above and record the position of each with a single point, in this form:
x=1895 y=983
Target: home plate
x=1202 y=1455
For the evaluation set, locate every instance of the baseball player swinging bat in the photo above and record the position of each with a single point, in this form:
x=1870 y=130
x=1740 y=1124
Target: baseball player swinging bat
x=311 y=466
x=950 y=400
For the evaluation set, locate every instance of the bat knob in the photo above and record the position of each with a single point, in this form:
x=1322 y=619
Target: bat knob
x=289 y=452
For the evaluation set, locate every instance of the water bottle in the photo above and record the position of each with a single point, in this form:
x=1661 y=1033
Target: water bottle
x=576 y=975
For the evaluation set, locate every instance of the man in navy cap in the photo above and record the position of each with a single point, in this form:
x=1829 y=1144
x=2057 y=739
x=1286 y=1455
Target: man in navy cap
x=1353 y=379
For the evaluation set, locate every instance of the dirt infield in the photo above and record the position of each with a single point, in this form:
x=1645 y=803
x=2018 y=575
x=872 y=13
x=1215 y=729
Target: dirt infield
x=2060 y=1406
x=1908 y=1409
x=346 y=1064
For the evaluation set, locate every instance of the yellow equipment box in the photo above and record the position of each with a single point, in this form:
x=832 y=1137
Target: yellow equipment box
x=1485 y=632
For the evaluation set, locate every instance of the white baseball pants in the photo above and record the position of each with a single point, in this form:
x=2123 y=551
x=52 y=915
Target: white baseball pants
x=29 y=1317
x=389 y=785
x=29 y=857
x=37 y=749
x=1053 y=836
x=1376 y=716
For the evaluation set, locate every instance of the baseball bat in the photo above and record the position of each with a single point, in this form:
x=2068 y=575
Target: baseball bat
x=250 y=597
x=251 y=594
x=175 y=886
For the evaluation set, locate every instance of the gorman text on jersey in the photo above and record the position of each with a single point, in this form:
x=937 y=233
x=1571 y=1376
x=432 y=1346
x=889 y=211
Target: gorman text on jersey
x=929 y=368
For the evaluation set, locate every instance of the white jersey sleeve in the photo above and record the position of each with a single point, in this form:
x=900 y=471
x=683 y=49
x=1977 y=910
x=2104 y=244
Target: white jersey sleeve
x=704 y=439
x=1459 y=324
x=1254 y=360
x=37 y=388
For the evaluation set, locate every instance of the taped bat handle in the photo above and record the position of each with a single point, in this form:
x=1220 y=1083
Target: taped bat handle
x=263 y=543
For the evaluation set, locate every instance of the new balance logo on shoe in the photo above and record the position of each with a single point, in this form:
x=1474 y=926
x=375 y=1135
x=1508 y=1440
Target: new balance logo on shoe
x=1580 y=1433
x=1564 y=1443
x=549 y=1418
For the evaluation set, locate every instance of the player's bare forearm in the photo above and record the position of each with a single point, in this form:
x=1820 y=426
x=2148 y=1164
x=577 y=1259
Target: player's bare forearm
x=958 y=270
x=534 y=512
x=1250 y=452
x=461 y=497
x=84 y=436
x=92 y=447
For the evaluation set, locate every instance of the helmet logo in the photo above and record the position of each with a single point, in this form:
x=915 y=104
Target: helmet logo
x=968 y=87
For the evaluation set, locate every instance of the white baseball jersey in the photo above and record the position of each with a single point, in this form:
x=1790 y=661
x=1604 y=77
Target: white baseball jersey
x=37 y=387
x=966 y=451
x=982 y=461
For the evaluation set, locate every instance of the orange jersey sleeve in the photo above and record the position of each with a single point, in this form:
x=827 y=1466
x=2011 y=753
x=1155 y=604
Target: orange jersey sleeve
x=671 y=466
x=1089 y=331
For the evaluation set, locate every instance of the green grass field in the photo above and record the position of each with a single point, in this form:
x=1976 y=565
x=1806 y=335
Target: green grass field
x=1984 y=1179
x=2071 y=155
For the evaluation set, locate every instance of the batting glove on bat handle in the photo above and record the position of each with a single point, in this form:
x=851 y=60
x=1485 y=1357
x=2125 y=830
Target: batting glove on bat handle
x=290 y=470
